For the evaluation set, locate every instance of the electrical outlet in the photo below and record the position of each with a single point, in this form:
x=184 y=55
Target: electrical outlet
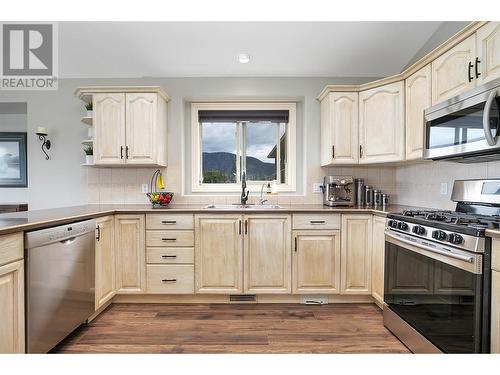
x=145 y=188
x=444 y=188
x=317 y=187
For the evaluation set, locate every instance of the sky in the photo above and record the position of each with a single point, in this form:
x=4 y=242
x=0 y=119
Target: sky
x=221 y=137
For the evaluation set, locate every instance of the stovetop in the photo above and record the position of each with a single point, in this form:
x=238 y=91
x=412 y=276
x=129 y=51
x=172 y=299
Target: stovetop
x=461 y=222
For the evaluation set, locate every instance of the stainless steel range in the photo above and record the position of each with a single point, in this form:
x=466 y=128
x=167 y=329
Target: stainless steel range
x=437 y=272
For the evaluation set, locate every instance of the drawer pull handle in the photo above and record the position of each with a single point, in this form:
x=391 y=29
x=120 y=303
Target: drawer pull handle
x=316 y=222
x=168 y=256
x=169 y=222
x=169 y=239
x=169 y=280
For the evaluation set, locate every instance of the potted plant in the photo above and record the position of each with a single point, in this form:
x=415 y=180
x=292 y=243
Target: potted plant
x=89 y=107
x=89 y=154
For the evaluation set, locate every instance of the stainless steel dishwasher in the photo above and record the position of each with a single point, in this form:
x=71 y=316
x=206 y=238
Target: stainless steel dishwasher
x=59 y=282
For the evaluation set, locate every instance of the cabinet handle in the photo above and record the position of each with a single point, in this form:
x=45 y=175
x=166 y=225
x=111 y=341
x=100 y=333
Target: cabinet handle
x=169 y=222
x=360 y=151
x=470 y=67
x=239 y=227
x=98 y=237
x=168 y=256
x=333 y=152
x=121 y=152
x=477 y=67
x=169 y=239
x=246 y=226
x=317 y=222
x=295 y=244
x=169 y=280
x=126 y=152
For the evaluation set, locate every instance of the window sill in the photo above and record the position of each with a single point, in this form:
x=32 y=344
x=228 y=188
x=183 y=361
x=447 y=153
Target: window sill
x=233 y=188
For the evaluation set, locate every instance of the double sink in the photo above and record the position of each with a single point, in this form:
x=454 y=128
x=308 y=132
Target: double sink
x=238 y=206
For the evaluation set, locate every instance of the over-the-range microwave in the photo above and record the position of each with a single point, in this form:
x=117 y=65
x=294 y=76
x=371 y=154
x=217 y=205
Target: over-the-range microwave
x=466 y=127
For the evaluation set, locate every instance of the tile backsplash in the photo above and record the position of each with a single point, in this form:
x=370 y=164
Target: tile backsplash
x=419 y=184
x=123 y=185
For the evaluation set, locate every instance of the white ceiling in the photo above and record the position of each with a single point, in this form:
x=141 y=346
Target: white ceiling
x=190 y=49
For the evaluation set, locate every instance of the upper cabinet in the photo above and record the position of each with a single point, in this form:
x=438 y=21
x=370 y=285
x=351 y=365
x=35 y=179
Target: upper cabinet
x=382 y=124
x=418 y=98
x=130 y=125
x=453 y=71
x=339 y=128
x=488 y=52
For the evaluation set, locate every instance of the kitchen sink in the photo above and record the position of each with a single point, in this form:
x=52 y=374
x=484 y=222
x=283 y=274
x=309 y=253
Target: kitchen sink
x=242 y=206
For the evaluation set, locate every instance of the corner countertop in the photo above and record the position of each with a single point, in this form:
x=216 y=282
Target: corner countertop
x=37 y=219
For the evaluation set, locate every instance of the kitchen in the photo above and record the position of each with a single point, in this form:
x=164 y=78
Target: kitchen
x=239 y=206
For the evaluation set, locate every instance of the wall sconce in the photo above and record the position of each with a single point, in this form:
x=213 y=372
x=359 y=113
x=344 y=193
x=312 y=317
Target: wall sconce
x=42 y=135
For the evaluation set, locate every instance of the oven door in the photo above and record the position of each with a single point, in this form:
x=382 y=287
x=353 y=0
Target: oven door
x=437 y=290
x=466 y=126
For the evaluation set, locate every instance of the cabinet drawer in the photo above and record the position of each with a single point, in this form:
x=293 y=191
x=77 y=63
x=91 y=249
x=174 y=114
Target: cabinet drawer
x=316 y=221
x=495 y=254
x=170 y=221
x=169 y=238
x=11 y=247
x=170 y=279
x=170 y=255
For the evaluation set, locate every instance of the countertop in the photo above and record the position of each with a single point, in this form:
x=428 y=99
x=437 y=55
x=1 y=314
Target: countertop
x=37 y=219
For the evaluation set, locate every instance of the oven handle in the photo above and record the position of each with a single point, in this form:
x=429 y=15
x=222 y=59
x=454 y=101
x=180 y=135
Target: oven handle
x=486 y=119
x=464 y=258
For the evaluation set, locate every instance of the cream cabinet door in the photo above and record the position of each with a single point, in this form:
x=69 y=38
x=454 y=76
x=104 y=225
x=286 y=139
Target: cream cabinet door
x=495 y=311
x=218 y=254
x=417 y=99
x=105 y=261
x=316 y=262
x=451 y=72
x=382 y=124
x=109 y=128
x=356 y=254
x=378 y=259
x=141 y=123
x=339 y=128
x=488 y=52
x=130 y=250
x=12 y=308
x=267 y=254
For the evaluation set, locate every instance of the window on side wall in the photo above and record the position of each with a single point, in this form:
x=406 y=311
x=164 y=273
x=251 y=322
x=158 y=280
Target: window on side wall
x=232 y=140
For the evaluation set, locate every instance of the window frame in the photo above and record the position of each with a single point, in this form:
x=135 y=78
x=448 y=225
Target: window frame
x=253 y=186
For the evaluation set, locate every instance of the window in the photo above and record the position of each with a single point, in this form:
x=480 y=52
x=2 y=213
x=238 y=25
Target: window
x=230 y=140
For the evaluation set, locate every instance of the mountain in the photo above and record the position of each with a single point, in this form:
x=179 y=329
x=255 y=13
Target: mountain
x=225 y=162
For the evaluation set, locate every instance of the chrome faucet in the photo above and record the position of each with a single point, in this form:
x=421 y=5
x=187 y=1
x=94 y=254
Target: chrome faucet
x=244 y=191
x=266 y=185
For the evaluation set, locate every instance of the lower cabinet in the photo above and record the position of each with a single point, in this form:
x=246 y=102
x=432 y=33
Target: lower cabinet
x=378 y=259
x=130 y=250
x=12 y=308
x=218 y=254
x=243 y=254
x=105 y=261
x=316 y=262
x=356 y=251
x=267 y=256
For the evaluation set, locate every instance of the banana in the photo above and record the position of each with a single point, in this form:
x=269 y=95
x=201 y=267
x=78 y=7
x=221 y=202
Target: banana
x=160 y=185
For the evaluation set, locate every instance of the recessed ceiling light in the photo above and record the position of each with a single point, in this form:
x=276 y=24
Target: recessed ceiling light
x=244 y=58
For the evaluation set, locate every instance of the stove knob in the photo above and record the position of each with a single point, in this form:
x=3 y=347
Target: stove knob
x=455 y=239
x=393 y=223
x=402 y=225
x=418 y=229
x=439 y=235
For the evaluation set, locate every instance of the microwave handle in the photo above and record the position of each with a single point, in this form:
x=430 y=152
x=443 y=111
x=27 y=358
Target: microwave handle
x=486 y=119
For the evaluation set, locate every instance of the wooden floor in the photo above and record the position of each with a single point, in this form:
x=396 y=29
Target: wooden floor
x=235 y=328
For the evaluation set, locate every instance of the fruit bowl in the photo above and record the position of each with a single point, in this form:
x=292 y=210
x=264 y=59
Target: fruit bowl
x=160 y=199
